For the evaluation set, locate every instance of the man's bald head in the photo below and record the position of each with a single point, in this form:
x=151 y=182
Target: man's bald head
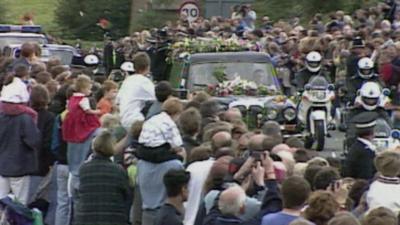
x=256 y=143
x=272 y=128
x=231 y=115
x=221 y=139
x=231 y=201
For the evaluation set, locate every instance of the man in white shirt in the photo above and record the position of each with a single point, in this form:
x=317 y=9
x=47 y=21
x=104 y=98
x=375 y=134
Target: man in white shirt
x=135 y=91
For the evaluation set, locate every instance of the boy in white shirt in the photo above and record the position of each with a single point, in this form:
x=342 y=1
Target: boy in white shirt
x=385 y=191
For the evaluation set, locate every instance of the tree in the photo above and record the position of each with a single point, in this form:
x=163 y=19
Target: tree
x=3 y=11
x=81 y=18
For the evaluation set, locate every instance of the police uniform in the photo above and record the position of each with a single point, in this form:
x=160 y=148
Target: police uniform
x=352 y=60
x=359 y=163
x=304 y=76
x=355 y=83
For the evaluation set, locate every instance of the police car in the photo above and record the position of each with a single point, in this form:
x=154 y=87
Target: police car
x=12 y=37
x=17 y=35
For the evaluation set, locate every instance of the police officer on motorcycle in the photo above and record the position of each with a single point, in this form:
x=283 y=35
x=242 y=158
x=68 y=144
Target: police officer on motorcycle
x=313 y=68
x=365 y=73
x=370 y=99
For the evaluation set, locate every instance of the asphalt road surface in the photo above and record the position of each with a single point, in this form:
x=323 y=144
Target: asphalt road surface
x=333 y=144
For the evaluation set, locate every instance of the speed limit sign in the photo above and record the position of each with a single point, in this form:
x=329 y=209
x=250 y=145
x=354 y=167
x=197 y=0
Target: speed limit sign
x=190 y=11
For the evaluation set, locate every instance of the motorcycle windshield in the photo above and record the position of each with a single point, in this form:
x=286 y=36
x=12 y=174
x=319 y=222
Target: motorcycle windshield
x=382 y=129
x=318 y=83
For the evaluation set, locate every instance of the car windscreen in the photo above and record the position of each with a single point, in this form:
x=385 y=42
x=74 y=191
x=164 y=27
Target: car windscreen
x=202 y=75
x=64 y=56
x=19 y=40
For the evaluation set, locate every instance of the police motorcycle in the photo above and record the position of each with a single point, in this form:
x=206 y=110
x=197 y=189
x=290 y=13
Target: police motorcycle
x=372 y=98
x=365 y=73
x=314 y=109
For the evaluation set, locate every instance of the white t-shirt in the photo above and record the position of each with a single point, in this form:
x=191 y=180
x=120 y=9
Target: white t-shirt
x=198 y=174
x=135 y=91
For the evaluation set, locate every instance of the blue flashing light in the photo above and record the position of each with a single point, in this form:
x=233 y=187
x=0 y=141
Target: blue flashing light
x=396 y=134
x=5 y=28
x=22 y=29
x=31 y=29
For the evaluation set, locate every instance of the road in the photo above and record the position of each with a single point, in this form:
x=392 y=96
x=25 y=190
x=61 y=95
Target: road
x=334 y=144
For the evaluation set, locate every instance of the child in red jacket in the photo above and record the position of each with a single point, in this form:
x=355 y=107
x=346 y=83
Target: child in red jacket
x=79 y=125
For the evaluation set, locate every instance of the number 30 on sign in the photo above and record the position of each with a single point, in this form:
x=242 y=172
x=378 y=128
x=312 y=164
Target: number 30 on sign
x=190 y=10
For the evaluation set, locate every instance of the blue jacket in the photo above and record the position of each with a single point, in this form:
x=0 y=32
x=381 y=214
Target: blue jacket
x=19 y=143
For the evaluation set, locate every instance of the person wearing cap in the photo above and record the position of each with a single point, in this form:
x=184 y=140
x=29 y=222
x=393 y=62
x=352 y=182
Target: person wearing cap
x=357 y=52
x=360 y=160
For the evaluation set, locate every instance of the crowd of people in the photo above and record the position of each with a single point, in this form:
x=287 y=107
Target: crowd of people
x=87 y=151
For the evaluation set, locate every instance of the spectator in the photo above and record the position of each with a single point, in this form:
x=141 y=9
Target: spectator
x=135 y=91
x=163 y=91
x=160 y=138
x=344 y=218
x=324 y=178
x=189 y=123
x=26 y=59
x=295 y=192
x=322 y=207
x=79 y=127
x=171 y=213
x=106 y=103
x=380 y=216
x=388 y=166
x=103 y=189
x=39 y=100
x=20 y=141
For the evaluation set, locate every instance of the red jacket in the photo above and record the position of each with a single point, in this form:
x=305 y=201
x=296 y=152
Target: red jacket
x=78 y=124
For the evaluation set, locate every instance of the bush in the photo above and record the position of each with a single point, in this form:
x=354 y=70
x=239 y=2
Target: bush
x=78 y=18
x=153 y=18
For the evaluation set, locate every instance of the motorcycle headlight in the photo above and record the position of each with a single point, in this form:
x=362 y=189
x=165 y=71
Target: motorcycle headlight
x=289 y=114
x=272 y=114
x=319 y=95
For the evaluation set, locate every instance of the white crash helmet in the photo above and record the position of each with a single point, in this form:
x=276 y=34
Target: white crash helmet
x=366 y=68
x=128 y=67
x=313 y=61
x=91 y=60
x=370 y=93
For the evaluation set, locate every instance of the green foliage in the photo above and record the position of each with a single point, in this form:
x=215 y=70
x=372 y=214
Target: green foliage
x=42 y=10
x=78 y=18
x=219 y=74
x=3 y=11
x=152 y=18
